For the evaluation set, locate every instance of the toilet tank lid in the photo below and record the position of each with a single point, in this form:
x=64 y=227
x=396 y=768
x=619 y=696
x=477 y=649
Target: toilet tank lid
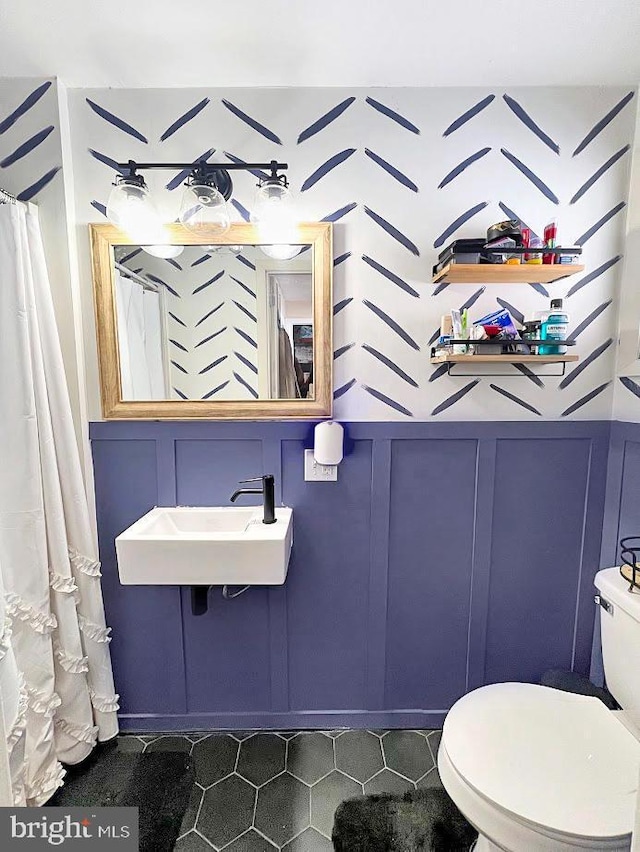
x=614 y=588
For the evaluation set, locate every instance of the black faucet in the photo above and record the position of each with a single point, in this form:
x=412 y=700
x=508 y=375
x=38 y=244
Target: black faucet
x=268 y=494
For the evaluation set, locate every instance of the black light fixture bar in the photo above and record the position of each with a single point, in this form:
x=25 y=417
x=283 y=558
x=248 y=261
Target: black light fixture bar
x=227 y=167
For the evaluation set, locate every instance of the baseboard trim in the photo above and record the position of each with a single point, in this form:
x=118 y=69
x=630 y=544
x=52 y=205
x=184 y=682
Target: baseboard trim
x=304 y=720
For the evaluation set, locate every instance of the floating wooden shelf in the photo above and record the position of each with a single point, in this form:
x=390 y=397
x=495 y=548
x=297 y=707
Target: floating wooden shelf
x=504 y=359
x=505 y=273
x=452 y=360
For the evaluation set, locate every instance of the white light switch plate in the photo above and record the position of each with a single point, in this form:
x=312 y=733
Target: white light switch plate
x=314 y=472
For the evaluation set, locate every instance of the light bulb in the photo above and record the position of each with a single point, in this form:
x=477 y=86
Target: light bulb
x=204 y=210
x=164 y=250
x=281 y=251
x=131 y=209
x=273 y=212
x=223 y=249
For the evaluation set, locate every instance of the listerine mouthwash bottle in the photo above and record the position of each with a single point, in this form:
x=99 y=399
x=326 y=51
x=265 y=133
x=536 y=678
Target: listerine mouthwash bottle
x=554 y=327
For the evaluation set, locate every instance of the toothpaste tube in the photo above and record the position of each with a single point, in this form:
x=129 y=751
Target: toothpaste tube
x=457 y=333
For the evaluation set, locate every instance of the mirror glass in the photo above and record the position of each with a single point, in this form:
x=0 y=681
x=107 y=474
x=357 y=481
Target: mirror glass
x=218 y=322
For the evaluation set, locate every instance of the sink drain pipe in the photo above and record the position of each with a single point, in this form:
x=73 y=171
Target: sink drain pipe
x=200 y=597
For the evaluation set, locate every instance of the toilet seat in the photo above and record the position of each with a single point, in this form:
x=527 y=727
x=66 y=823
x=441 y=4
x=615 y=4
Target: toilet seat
x=500 y=830
x=560 y=764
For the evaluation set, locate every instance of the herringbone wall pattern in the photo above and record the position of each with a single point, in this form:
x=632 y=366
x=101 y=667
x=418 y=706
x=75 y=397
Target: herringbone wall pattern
x=30 y=157
x=31 y=167
x=211 y=323
x=401 y=172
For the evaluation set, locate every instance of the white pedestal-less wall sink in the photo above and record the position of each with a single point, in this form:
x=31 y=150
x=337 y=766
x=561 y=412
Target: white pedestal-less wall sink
x=211 y=546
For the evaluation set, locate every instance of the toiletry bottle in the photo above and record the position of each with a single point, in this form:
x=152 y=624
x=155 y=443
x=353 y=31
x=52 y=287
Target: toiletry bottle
x=534 y=243
x=554 y=327
x=550 y=240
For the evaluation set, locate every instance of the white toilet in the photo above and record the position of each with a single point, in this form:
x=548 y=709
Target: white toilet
x=539 y=770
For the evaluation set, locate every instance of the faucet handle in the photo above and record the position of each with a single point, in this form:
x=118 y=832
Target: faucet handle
x=255 y=479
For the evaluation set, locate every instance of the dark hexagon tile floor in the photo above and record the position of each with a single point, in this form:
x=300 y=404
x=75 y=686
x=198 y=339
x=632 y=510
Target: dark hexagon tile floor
x=431 y=779
x=407 y=753
x=193 y=809
x=214 y=758
x=387 y=782
x=262 y=757
x=359 y=755
x=310 y=757
x=434 y=743
x=260 y=791
x=170 y=744
x=309 y=841
x=192 y=842
x=227 y=810
x=283 y=809
x=326 y=795
x=251 y=841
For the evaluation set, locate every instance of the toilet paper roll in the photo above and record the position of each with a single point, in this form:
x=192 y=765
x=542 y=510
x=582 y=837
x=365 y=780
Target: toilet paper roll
x=328 y=441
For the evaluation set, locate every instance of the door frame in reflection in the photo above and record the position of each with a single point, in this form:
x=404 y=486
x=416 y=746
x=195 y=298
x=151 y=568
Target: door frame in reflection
x=266 y=273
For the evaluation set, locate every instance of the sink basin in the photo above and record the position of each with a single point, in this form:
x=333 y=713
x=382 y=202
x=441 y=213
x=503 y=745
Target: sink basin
x=210 y=546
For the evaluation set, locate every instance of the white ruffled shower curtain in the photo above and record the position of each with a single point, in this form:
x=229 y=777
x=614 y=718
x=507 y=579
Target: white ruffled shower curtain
x=139 y=341
x=57 y=695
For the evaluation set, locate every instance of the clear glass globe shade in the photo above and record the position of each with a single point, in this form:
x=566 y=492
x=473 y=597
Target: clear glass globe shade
x=281 y=251
x=204 y=210
x=223 y=249
x=273 y=212
x=131 y=209
x=164 y=250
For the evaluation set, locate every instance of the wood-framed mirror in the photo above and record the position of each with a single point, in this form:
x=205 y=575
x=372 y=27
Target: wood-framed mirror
x=231 y=327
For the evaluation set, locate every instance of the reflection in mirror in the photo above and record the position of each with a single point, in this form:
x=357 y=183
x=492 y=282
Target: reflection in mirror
x=215 y=323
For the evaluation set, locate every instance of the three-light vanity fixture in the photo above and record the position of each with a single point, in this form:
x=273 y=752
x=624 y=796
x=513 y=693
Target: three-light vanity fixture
x=203 y=208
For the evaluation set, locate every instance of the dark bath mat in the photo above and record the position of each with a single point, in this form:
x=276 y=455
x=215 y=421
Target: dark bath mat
x=158 y=783
x=573 y=682
x=420 y=821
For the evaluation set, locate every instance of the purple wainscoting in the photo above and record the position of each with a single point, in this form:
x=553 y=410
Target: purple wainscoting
x=622 y=512
x=446 y=556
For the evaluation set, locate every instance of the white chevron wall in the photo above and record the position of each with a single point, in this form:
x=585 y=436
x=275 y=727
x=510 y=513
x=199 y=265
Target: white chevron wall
x=400 y=172
x=31 y=168
x=211 y=320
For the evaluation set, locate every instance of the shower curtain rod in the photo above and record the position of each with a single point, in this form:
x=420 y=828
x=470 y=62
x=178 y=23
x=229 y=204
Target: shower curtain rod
x=7 y=197
x=128 y=273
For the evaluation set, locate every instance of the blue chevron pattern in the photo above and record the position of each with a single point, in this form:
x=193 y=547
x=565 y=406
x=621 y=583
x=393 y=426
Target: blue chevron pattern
x=528 y=173
x=23 y=108
x=604 y=168
x=212 y=324
x=526 y=119
x=252 y=122
x=392 y=170
x=325 y=120
x=400 y=173
x=29 y=142
x=468 y=114
x=326 y=167
x=184 y=119
x=393 y=115
x=457 y=170
x=116 y=121
x=26 y=147
x=597 y=129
